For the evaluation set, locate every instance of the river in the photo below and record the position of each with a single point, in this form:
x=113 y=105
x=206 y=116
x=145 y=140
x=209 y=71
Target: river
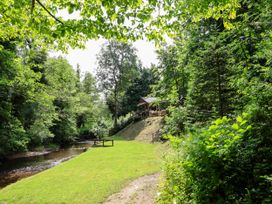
x=14 y=169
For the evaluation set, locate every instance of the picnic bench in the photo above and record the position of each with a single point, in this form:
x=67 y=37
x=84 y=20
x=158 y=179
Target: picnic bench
x=103 y=140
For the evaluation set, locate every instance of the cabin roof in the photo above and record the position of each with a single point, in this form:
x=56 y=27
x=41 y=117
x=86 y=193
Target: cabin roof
x=147 y=100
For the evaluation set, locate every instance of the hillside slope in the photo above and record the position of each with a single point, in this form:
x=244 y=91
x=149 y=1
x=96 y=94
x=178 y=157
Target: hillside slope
x=147 y=130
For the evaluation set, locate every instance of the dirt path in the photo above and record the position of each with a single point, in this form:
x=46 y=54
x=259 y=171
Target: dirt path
x=139 y=191
x=142 y=190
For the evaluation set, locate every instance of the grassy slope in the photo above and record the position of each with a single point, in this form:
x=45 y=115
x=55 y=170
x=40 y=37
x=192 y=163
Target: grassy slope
x=88 y=178
x=145 y=130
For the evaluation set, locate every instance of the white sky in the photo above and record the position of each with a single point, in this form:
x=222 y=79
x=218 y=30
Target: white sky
x=86 y=58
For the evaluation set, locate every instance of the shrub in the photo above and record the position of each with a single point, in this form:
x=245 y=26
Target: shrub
x=123 y=122
x=175 y=121
x=13 y=137
x=215 y=165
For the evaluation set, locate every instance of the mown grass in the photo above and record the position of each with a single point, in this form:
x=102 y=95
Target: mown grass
x=89 y=178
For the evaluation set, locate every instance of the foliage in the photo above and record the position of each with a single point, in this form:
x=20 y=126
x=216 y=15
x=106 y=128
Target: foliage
x=228 y=72
x=44 y=22
x=38 y=111
x=22 y=99
x=173 y=78
x=208 y=90
x=212 y=72
x=219 y=65
x=140 y=87
x=213 y=165
x=123 y=122
x=175 y=121
x=42 y=101
x=118 y=66
x=62 y=85
x=89 y=86
x=11 y=131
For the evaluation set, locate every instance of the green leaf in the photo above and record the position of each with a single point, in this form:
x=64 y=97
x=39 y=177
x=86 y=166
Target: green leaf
x=235 y=126
x=239 y=119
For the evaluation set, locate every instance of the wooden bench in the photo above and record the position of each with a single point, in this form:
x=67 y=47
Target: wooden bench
x=103 y=140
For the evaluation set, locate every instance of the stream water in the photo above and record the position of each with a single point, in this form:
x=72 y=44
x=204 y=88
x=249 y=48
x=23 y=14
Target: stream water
x=15 y=169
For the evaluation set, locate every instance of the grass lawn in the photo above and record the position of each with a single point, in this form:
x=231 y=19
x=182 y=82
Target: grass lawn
x=89 y=178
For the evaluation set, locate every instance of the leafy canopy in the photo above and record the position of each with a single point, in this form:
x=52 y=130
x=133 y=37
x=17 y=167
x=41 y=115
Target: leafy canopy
x=42 y=20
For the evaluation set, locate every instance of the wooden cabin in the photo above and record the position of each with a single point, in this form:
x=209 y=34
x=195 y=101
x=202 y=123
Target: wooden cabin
x=149 y=106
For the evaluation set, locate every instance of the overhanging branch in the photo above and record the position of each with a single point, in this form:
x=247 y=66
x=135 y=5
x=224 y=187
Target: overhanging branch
x=47 y=11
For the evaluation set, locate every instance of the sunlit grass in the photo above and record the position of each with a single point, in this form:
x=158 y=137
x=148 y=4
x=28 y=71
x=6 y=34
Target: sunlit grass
x=88 y=178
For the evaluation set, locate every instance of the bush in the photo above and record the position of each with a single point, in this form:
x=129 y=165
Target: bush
x=123 y=122
x=175 y=121
x=13 y=137
x=85 y=133
x=97 y=128
x=215 y=165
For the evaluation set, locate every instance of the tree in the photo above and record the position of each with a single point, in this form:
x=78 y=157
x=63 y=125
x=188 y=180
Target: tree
x=117 y=67
x=88 y=97
x=12 y=133
x=27 y=109
x=228 y=74
x=38 y=111
x=173 y=75
x=62 y=83
x=172 y=85
x=89 y=86
x=140 y=87
x=209 y=89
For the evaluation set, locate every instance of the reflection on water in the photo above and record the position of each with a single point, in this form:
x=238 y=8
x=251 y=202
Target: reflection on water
x=14 y=169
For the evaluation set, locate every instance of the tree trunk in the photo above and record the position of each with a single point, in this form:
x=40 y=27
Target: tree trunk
x=219 y=88
x=115 y=108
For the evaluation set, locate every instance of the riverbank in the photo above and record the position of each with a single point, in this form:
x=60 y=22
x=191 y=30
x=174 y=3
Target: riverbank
x=25 y=164
x=88 y=178
x=43 y=150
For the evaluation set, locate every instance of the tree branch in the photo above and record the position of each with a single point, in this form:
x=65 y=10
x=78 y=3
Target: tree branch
x=38 y=1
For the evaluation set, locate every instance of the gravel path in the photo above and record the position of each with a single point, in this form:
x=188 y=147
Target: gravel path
x=139 y=191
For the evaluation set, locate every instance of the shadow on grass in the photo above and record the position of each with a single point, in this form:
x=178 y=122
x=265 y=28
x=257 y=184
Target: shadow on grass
x=98 y=146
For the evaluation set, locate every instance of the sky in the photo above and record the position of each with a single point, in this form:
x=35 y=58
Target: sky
x=86 y=58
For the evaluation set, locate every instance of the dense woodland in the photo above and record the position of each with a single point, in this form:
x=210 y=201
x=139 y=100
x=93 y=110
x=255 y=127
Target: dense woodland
x=216 y=78
x=44 y=101
x=218 y=81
